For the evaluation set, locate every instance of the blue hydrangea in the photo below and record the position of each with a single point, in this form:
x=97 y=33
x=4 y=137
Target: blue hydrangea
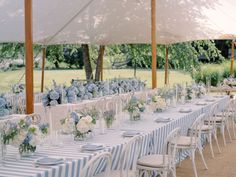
x=4 y=112
x=53 y=103
x=2 y=103
x=75 y=117
x=54 y=95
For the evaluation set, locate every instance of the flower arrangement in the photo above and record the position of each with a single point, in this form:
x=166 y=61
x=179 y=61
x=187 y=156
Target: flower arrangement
x=79 y=123
x=200 y=90
x=109 y=117
x=18 y=88
x=5 y=107
x=134 y=107
x=159 y=105
x=54 y=96
x=24 y=134
x=189 y=93
x=166 y=93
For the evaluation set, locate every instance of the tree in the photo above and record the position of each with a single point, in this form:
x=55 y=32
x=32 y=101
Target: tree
x=87 y=62
x=73 y=55
x=55 y=54
x=99 y=62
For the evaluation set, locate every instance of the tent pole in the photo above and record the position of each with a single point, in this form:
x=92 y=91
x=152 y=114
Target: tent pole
x=153 y=34
x=102 y=69
x=43 y=68
x=232 y=59
x=29 y=78
x=166 y=67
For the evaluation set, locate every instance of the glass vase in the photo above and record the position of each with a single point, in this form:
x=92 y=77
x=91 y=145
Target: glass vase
x=135 y=116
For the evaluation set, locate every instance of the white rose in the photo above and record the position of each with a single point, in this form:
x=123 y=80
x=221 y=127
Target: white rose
x=82 y=126
x=35 y=140
x=88 y=119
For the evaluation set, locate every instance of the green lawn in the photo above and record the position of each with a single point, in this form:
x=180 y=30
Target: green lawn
x=64 y=77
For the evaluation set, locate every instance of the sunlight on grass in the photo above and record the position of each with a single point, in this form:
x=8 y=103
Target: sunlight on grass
x=65 y=76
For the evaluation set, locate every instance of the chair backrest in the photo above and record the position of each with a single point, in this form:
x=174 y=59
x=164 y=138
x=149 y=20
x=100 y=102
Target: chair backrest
x=129 y=156
x=210 y=116
x=196 y=129
x=100 y=160
x=170 y=150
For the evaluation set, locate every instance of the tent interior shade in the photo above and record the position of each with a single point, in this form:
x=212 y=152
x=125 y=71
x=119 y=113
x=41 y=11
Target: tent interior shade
x=118 y=21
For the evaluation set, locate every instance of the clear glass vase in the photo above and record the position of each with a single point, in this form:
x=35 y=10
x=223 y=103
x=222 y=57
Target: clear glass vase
x=134 y=116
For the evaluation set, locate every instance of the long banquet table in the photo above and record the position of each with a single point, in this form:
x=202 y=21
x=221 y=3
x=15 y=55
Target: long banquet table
x=153 y=134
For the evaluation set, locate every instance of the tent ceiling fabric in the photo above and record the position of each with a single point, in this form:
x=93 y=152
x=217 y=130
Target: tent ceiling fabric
x=118 y=21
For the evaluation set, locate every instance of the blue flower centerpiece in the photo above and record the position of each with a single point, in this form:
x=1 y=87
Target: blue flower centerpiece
x=80 y=124
x=5 y=107
x=134 y=108
x=24 y=134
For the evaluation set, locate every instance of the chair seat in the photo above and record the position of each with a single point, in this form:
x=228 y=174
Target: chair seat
x=153 y=161
x=205 y=127
x=116 y=173
x=185 y=141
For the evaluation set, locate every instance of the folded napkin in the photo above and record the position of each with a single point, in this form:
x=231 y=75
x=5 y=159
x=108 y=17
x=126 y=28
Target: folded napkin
x=130 y=133
x=210 y=100
x=49 y=161
x=92 y=147
x=162 y=119
x=185 y=110
x=201 y=103
x=218 y=96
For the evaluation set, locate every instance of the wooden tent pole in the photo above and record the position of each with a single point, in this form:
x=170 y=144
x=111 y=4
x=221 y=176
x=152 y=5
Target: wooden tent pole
x=153 y=34
x=43 y=68
x=232 y=59
x=102 y=68
x=29 y=78
x=166 y=67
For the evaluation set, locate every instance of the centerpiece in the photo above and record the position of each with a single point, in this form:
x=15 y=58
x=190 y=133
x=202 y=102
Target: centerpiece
x=109 y=117
x=5 y=107
x=81 y=123
x=135 y=107
x=24 y=134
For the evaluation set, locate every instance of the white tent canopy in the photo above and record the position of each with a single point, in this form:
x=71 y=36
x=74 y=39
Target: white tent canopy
x=118 y=21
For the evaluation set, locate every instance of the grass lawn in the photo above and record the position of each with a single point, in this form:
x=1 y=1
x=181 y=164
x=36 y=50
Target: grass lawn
x=64 y=77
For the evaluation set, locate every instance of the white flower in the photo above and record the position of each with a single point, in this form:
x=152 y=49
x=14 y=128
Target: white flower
x=19 y=138
x=35 y=140
x=68 y=126
x=88 y=119
x=83 y=126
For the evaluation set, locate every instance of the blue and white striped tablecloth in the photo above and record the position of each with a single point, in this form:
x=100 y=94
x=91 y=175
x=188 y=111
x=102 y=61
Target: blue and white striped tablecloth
x=153 y=134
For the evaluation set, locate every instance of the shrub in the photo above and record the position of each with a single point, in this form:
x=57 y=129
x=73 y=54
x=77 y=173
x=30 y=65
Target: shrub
x=226 y=72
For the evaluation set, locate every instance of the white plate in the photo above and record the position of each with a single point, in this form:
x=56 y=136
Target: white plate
x=201 y=103
x=163 y=119
x=49 y=161
x=92 y=147
x=185 y=110
x=210 y=100
x=130 y=133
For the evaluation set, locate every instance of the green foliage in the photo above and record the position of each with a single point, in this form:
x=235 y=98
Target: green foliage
x=73 y=56
x=54 y=54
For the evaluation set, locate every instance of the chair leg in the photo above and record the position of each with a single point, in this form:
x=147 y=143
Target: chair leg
x=233 y=127
x=203 y=159
x=210 y=142
x=227 y=128
x=223 y=134
x=193 y=162
x=173 y=172
x=217 y=143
